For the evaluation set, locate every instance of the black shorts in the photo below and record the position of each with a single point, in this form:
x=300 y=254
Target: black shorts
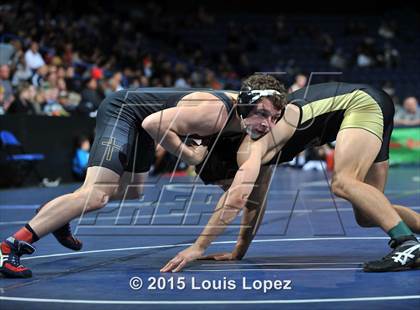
x=120 y=144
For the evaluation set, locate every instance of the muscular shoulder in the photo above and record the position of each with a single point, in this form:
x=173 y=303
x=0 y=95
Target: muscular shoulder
x=292 y=114
x=202 y=99
x=208 y=111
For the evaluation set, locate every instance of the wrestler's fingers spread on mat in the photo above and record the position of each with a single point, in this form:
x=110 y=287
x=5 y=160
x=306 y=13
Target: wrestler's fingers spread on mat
x=188 y=255
x=180 y=265
x=171 y=264
x=167 y=267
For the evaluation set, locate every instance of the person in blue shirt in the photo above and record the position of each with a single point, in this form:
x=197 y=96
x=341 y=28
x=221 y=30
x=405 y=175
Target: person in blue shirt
x=81 y=158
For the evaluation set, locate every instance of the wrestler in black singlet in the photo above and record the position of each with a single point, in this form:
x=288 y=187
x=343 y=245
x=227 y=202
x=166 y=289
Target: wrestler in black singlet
x=121 y=144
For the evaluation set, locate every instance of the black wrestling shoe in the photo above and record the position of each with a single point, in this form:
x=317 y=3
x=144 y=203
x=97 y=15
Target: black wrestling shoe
x=11 y=250
x=65 y=236
x=405 y=255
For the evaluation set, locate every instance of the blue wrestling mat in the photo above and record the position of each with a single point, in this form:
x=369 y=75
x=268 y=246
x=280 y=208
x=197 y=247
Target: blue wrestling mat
x=307 y=255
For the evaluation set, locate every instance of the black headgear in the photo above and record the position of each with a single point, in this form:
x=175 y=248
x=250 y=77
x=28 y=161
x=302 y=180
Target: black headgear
x=248 y=97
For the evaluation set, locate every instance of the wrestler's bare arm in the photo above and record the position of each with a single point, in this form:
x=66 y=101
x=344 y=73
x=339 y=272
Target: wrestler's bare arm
x=197 y=116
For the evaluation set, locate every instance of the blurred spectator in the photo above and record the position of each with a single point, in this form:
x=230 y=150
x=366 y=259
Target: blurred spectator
x=91 y=97
x=316 y=157
x=68 y=54
x=364 y=59
x=300 y=81
x=114 y=83
x=72 y=83
x=52 y=106
x=68 y=106
x=6 y=53
x=61 y=84
x=33 y=58
x=211 y=80
x=25 y=101
x=81 y=158
x=409 y=115
x=39 y=78
x=52 y=78
x=40 y=99
x=5 y=83
x=22 y=72
x=148 y=66
x=298 y=161
x=181 y=82
x=144 y=81
x=167 y=80
x=18 y=52
x=366 y=53
x=390 y=56
x=338 y=60
x=387 y=30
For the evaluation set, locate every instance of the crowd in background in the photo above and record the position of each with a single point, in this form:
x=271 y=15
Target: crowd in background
x=60 y=63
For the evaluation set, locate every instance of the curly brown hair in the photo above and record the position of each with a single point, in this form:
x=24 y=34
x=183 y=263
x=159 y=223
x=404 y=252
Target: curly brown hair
x=264 y=81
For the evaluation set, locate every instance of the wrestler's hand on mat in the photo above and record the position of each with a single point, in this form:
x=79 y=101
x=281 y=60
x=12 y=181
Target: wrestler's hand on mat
x=183 y=258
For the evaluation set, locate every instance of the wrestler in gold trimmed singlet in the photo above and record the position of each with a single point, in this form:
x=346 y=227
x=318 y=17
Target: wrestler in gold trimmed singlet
x=329 y=107
x=314 y=116
x=326 y=108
